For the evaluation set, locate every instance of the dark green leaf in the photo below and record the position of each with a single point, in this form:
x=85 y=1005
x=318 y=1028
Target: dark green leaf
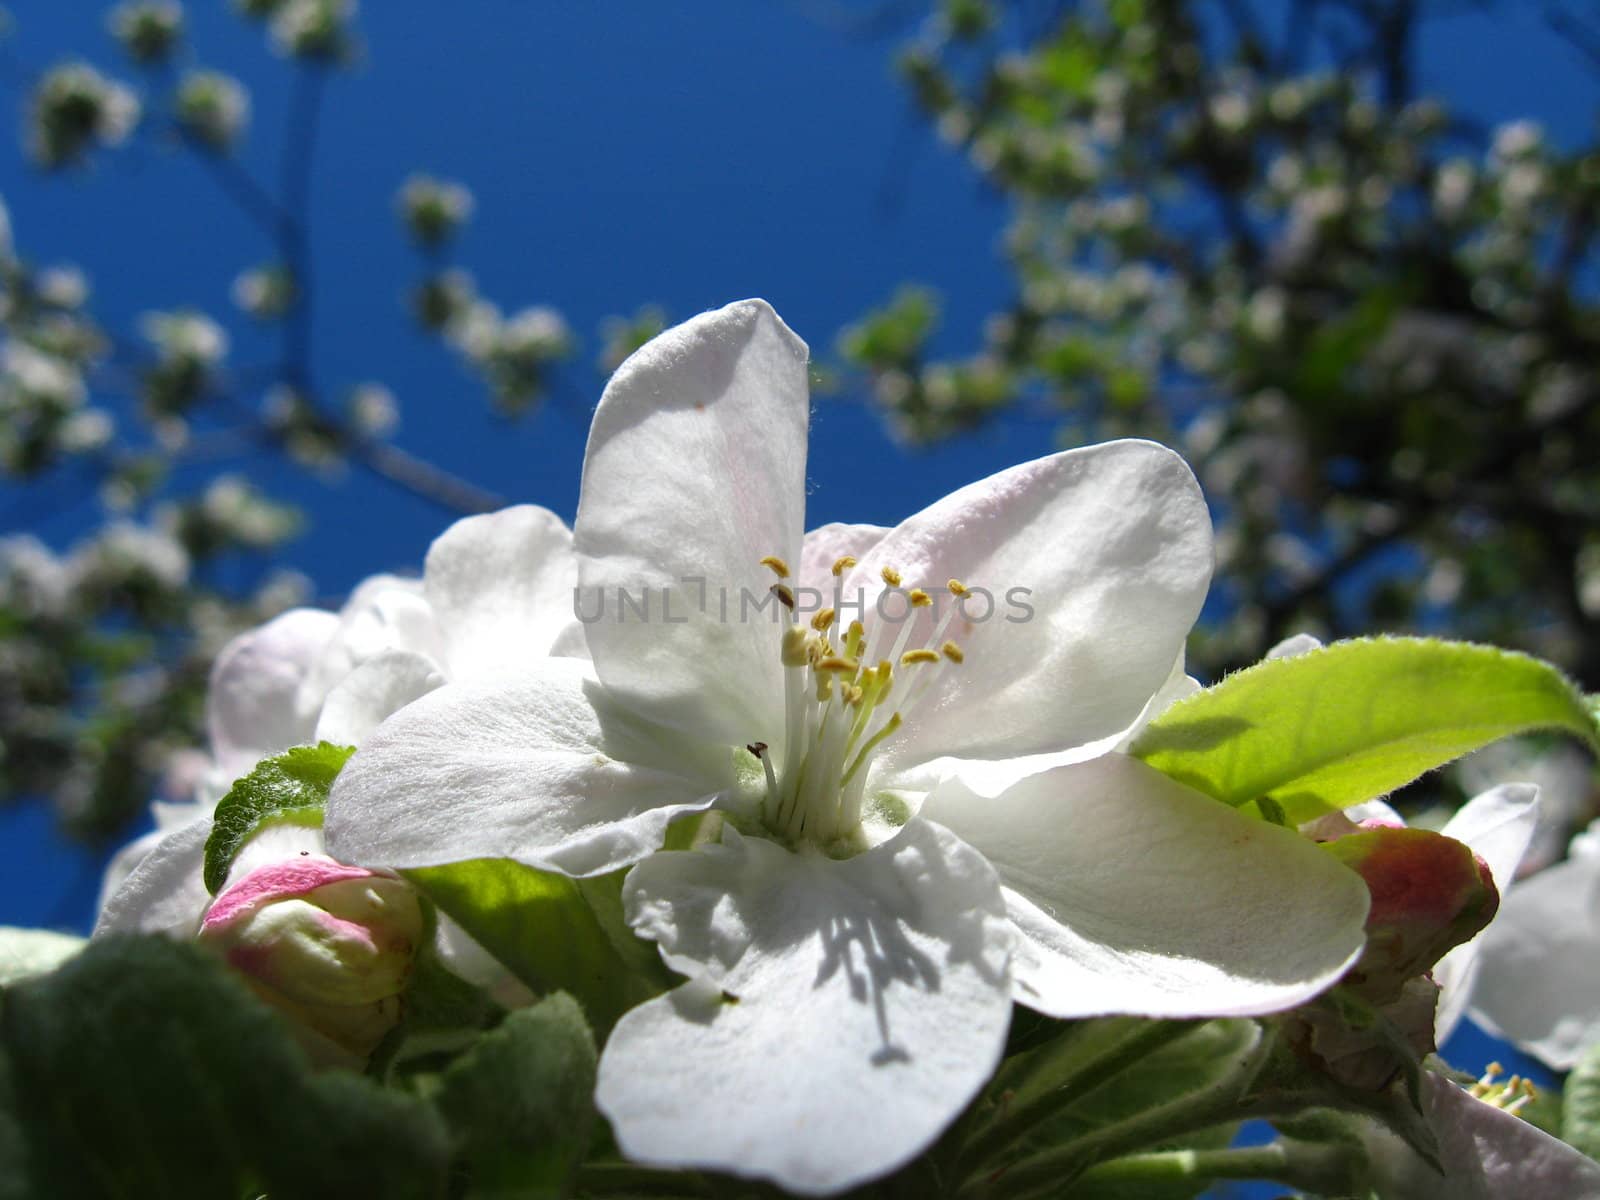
x=292 y=786
x=144 y=1068
x=521 y=1100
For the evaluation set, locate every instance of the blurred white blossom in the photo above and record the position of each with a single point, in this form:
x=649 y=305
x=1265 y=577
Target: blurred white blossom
x=213 y=108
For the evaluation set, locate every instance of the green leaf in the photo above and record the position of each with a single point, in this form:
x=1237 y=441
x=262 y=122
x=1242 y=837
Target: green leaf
x=292 y=786
x=143 y=1067
x=1354 y=720
x=25 y=953
x=1580 y=1105
x=539 y=925
x=521 y=1100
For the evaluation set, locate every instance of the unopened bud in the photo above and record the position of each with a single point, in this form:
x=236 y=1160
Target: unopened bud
x=1430 y=893
x=328 y=944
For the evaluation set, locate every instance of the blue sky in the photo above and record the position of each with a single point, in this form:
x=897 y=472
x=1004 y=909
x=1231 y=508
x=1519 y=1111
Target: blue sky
x=621 y=153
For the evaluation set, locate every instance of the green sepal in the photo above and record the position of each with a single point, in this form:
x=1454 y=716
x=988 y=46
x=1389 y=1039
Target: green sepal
x=144 y=1067
x=292 y=786
x=1321 y=731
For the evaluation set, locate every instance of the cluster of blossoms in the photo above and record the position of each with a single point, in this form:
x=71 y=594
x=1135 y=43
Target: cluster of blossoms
x=213 y=108
x=149 y=30
x=76 y=108
x=862 y=810
x=433 y=209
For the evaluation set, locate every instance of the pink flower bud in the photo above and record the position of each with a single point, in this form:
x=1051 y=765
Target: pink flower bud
x=1430 y=893
x=328 y=944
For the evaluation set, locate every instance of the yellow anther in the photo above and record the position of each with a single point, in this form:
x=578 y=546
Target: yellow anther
x=919 y=656
x=853 y=695
x=784 y=595
x=842 y=564
x=920 y=598
x=779 y=567
x=890 y=576
x=957 y=588
x=796 y=647
x=822 y=620
x=824 y=687
x=953 y=652
x=845 y=666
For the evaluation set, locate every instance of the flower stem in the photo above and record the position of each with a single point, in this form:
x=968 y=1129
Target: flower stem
x=1073 y=1087
x=1308 y=1166
x=1046 y=1172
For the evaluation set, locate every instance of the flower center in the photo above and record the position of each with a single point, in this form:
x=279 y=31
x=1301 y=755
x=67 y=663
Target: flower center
x=847 y=690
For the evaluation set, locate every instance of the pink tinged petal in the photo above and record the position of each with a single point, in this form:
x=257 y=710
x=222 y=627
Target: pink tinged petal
x=695 y=471
x=253 y=702
x=165 y=892
x=384 y=613
x=283 y=880
x=1539 y=964
x=373 y=691
x=1094 y=564
x=552 y=772
x=1497 y=826
x=1487 y=1154
x=821 y=549
x=500 y=586
x=839 y=1014
x=1135 y=894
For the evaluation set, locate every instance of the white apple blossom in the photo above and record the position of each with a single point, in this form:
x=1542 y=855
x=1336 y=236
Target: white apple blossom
x=1539 y=980
x=495 y=594
x=851 y=963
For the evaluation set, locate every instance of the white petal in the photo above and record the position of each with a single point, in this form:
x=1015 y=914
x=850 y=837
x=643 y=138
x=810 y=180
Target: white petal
x=872 y=1001
x=696 y=471
x=467 y=959
x=1294 y=646
x=25 y=953
x=385 y=612
x=1093 y=564
x=272 y=842
x=1497 y=826
x=824 y=546
x=1178 y=685
x=500 y=586
x=550 y=771
x=1539 y=964
x=165 y=892
x=252 y=707
x=375 y=690
x=991 y=776
x=1135 y=894
x=1487 y=1154
x=127 y=859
